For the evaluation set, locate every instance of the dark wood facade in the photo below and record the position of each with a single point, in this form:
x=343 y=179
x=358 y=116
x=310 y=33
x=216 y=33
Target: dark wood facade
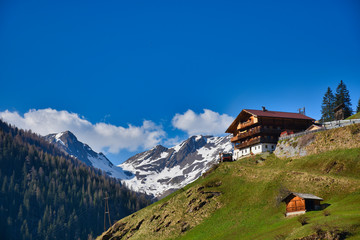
x=262 y=126
x=339 y=112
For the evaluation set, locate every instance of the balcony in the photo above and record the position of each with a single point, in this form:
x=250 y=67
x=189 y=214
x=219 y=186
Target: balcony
x=254 y=141
x=246 y=124
x=248 y=133
x=256 y=130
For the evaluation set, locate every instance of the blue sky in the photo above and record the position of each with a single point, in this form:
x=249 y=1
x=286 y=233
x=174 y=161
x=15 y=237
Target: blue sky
x=108 y=64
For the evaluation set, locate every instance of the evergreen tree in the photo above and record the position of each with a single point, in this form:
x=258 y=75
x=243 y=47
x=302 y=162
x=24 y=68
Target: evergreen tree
x=327 y=107
x=343 y=96
x=358 y=106
x=45 y=194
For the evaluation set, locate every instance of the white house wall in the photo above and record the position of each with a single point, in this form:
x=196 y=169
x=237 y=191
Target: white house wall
x=255 y=149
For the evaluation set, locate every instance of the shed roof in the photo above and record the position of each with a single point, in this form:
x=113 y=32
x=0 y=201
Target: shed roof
x=305 y=196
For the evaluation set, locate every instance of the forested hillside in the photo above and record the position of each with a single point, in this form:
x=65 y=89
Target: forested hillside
x=47 y=195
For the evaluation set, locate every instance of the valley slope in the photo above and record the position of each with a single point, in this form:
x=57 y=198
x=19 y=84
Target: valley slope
x=242 y=200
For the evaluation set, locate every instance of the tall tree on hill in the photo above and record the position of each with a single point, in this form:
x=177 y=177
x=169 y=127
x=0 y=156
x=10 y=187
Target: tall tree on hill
x=342 y=96
x=327 y=106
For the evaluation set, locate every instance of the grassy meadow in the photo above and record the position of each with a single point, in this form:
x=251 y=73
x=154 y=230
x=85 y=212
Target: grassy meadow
x=242 y=200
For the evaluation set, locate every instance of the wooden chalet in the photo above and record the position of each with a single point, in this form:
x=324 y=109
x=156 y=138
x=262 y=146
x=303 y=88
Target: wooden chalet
x=257 y=131
x=339 y=112
x=299 y=203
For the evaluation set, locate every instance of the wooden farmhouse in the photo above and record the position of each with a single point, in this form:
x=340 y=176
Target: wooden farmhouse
x=339 y=112
x=299 y=203
x=258 y=131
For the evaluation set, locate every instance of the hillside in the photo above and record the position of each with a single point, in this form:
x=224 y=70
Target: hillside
x=45 y=194
x=240 y=200
x=314 y=143
x=355 y=116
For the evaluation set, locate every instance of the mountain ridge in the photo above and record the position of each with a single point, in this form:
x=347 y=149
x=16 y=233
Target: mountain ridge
x=68 y=143
x=163 y=170
x=158 y=171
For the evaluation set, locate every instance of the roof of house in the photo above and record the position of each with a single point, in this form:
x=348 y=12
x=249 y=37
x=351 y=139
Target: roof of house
x=266 y=113
x=317 y=126
x=305 y=196
x=276 y=114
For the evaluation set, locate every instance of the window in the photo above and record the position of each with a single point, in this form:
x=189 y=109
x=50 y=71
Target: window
x=265 y=146
x=273 y=146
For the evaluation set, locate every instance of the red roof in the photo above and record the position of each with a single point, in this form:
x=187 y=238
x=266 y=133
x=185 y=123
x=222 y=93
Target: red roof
x=272 y=114
x=261 y=113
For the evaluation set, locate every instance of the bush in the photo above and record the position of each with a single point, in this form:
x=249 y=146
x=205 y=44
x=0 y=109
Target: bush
x=318 y=228
x=213 y=168
x=280 y=237
x=303 y=220
x=354 y=128
x=326 y=213
x=213 y=183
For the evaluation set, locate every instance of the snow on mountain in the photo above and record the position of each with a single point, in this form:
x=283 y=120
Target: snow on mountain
x=160 y=170
x=68 y=143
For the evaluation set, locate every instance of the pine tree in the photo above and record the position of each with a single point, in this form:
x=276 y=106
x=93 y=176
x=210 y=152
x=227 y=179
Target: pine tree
x=343 y=97
x=358 y=106
x=327 y=107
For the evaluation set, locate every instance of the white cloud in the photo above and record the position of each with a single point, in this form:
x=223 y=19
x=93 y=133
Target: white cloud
x=206 y=123
x=99 y=136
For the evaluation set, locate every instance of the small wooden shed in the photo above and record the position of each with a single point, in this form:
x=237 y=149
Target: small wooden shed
x=299 y=203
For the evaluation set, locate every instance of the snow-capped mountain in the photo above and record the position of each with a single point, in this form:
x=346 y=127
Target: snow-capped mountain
x=158 y=171
x=162 y=170
x=68 y=143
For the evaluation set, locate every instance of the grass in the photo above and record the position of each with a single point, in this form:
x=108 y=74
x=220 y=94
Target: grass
x=248 y=206
x=355 y=116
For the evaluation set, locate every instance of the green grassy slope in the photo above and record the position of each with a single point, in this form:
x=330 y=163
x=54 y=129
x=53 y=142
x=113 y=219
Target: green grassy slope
x=240 y=200
x=355 y=116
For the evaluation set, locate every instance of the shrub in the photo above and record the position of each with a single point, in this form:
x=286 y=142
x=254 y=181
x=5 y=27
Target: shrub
x=213 y=183
x=318 y=228
x=280 y=237
x=354 y=128
x=303 y=220
x=283 y=192
x=213 y=168
x=326 y=213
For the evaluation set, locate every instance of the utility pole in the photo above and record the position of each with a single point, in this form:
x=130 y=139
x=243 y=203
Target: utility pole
x=107 y=211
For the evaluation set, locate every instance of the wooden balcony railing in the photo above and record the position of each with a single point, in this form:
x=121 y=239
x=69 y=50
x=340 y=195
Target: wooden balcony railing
x=256 y=130
x=246 y=124
x=250 y=132
x=254 y=141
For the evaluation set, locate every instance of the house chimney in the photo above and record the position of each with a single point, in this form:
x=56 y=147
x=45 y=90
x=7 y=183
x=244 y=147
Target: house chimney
x=264 y=109
x=302 y=111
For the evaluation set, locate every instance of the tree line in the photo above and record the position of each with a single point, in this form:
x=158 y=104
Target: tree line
x=45 y=194
x=331 y=101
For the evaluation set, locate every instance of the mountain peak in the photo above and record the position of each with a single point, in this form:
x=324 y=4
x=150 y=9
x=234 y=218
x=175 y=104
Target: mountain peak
x=160 y=170
x=68 y=143
x=66 y=134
